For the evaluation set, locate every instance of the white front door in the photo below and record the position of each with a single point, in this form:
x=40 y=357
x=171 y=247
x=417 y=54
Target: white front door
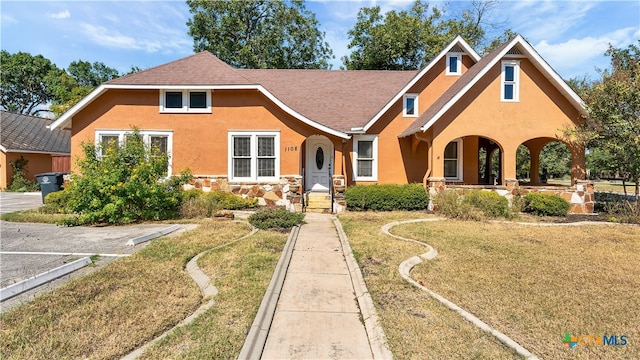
x=318 y=160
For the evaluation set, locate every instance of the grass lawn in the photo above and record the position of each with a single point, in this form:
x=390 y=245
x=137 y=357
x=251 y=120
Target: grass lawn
x=532 y=283
x=114 y=310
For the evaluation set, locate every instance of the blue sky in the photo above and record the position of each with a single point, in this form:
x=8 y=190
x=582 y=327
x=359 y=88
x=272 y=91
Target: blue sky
x=571 y=35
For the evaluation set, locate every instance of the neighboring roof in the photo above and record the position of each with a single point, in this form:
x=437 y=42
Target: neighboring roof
x=476 y=72
x=23 y=133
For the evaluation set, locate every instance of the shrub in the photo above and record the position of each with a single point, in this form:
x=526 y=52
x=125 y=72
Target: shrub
x=56 y=202
x=197 y=203
x=451 y=205
x=546 y=204
x=126 y=184
x=386 y=197
x=619 y=208
x=276 y=219
x=491 y=204
x=19 y=182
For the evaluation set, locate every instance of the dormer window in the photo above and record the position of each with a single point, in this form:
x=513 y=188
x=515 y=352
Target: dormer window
x=454 y=64
x=510 y=81
x=185 y=101
x=410 y=105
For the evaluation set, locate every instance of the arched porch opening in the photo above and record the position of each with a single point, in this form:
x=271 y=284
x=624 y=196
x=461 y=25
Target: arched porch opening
x=489 y=162
x=551 y=161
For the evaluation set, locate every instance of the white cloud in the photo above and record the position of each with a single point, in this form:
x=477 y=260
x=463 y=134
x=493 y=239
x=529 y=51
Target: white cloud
x=60 y=15
x=546 y=19
x=8 y=19
x=572 y=57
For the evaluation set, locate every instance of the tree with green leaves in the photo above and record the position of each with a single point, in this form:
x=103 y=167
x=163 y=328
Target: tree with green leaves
x=555 y=160
x=259 y=34
x=80 y=78
x=613 y=124
x=23 y=87
x=409 y=39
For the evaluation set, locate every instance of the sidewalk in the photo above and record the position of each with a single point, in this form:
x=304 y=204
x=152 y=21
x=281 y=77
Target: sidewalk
x=317 y=315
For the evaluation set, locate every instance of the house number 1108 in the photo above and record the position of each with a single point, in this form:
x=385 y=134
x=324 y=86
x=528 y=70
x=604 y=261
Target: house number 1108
x=291 y=148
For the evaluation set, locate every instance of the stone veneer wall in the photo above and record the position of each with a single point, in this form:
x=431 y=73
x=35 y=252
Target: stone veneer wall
x=580 y=196
x=286 y=192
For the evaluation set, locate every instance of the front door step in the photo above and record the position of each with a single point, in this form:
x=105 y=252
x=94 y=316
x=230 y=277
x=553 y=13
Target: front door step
x=318 y=202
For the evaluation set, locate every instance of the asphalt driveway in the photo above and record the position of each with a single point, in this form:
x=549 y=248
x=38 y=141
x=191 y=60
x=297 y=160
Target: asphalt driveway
x=28 y=249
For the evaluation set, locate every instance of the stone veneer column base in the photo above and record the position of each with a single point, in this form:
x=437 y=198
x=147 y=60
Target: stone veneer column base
x=285 y=192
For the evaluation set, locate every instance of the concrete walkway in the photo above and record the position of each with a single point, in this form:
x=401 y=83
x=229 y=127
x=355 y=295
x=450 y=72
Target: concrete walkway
x=317 y=315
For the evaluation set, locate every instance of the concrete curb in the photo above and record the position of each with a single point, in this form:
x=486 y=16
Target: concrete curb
x=157 y=234
x=405 y=271
x=577 y=223
x=35 y=281
x=375 y=333
x=206 y=287
x=257 y=337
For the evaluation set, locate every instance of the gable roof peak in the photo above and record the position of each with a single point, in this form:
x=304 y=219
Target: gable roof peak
x=476 y=72
x=201 y=68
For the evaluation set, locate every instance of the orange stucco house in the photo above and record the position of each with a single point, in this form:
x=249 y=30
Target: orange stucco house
x=278 y=134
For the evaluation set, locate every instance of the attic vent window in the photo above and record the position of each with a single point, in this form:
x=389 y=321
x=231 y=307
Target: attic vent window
x=454 y=64
x=456 y=49
x=198 y=100
x=510 y=79
x=185 y=101
x=514 y=51
x=173 y=100
x=410 y=105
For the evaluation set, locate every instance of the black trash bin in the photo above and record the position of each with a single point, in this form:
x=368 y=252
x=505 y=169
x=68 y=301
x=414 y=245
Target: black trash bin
x=50 y=182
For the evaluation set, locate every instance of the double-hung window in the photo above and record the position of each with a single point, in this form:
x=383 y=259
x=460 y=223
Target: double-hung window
x=454 y=64
x=254 y=156
x=365 y=155
x=159 y=140
x=510 y=80
x=410 y=105
x=185 y=101
x=453 y=160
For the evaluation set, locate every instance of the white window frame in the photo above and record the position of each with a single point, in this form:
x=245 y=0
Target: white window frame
x=516 y=80
x=185 y=102
x=459 y=176
x=374 y=165
x=254 y=156
x=416 y=110
x=458 y=57
x=146 y=138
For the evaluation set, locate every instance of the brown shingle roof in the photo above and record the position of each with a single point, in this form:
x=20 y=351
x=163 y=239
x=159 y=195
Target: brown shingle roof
x=202 y=68
x=340 y=100
x=29 y=133
x=454 y=89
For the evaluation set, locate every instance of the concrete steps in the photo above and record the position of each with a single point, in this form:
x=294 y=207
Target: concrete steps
x=318 y=202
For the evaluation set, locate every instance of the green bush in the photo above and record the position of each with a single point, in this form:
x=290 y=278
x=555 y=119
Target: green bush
x=276 y=219
x=19 y=181
x=386 y=197
x=56 y=202
x=492 y=204
x=546 y=204
x=197 y=203
x=126 y=184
